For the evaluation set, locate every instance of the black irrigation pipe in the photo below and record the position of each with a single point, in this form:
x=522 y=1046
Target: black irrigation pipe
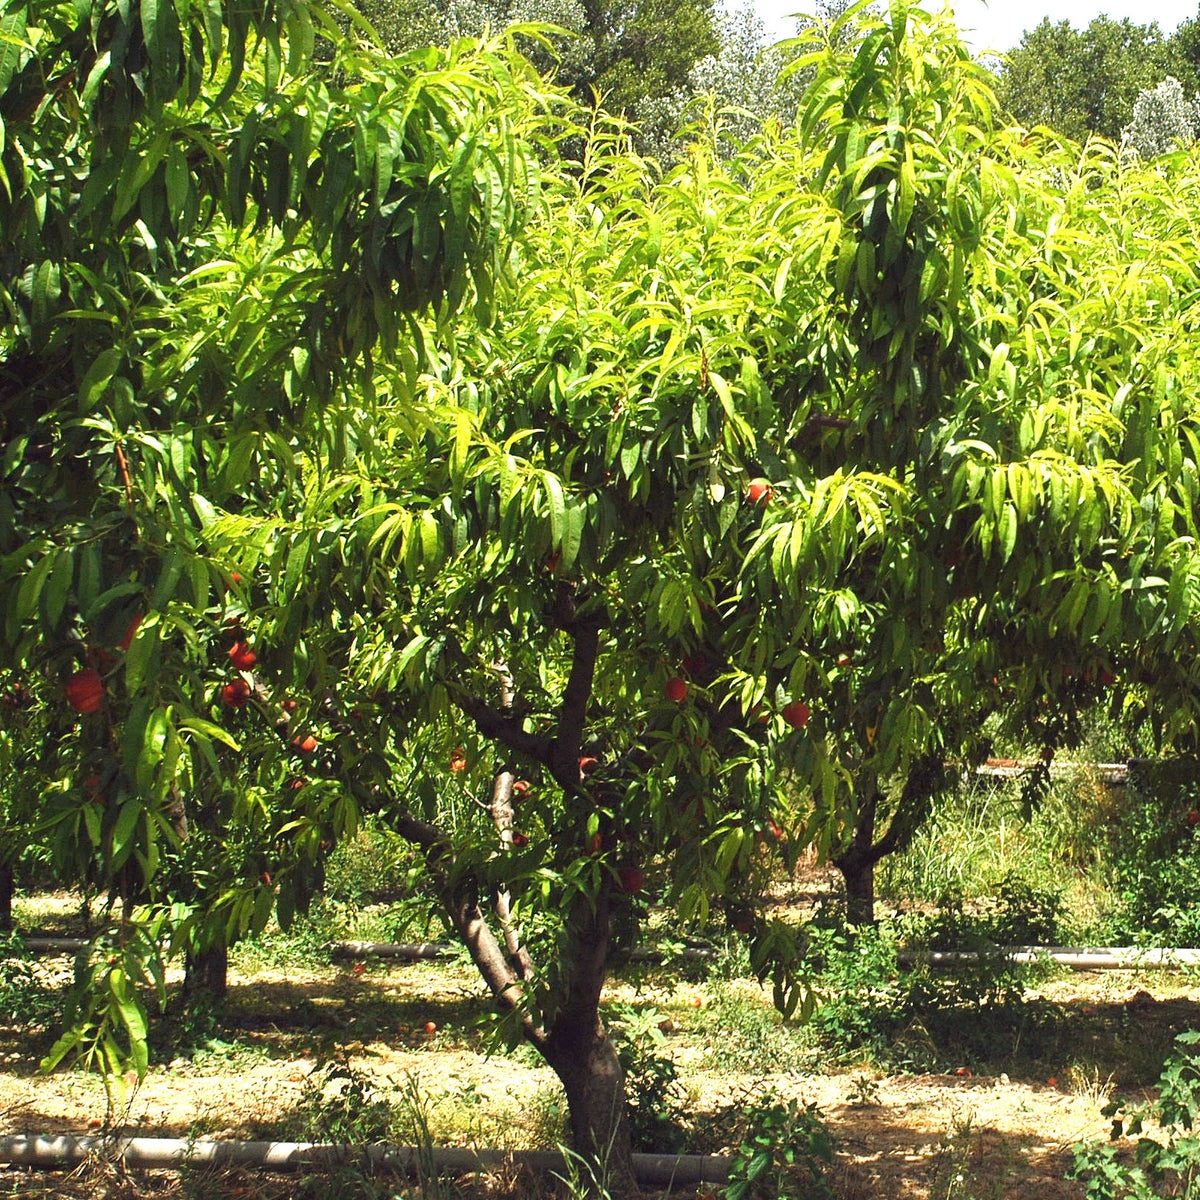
x=1079 y=958
x=52 y=945
x=412 y=951
x=173 y=1153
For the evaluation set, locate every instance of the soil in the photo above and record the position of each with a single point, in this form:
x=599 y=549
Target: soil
x=972 y=1130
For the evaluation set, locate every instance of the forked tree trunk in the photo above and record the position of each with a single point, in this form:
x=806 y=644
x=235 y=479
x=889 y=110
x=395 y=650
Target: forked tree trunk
x=857 y=861
x=926 y=778
x=571 y=1037
x=574 y=1043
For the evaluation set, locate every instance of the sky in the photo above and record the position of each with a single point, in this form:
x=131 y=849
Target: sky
x=999 y=25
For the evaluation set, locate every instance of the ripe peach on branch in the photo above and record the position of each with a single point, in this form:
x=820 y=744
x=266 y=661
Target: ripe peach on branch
x=85 y=690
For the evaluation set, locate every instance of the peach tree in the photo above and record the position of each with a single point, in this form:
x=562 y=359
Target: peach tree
x=708 y=521
x=1013 y=317
x=146 y=149
x=773 y=483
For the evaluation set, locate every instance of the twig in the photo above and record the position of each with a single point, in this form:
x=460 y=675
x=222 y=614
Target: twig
x=124 y=473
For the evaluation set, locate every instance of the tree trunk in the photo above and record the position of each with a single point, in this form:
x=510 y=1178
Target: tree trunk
x=6 y=898
x=584 y=1059
x=859 y=876
x=571 y=1037
x=581 y=1054
x=857 y=861
x=208 y=971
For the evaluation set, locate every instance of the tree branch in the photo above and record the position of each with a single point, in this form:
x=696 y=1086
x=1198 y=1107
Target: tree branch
x=502 y=726
x=814 y=424
x=572 y=710
x=926 y=777
x=502 y=816
x=461 y=906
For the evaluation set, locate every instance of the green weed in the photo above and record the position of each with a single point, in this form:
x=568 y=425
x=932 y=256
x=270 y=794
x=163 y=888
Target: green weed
x=1166 y=1165
x=26 y=999
x=742 y=1031
x=653 y=1094
x=781 y=1153
x=1154 y=854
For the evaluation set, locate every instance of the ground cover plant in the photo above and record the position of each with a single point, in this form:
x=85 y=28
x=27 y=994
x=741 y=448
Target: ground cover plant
x=701 y=1044
x=607 y=536
x=309 y=1049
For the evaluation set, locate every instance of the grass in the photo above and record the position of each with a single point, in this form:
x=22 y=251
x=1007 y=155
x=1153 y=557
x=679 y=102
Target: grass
x=980 y=837
x=741 y=1032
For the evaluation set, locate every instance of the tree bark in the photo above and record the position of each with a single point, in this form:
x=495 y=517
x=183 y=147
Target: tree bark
x=572 y=1037
x=6 y=897
x=859 y=878
x=208 y=971
x=857 y=861
x=926 y=778
x=585 y=1060
x=581 y=1053
x=575 y=1043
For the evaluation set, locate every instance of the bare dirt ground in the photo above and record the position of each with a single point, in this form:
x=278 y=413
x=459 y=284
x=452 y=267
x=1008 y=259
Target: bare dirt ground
x=969 y=1132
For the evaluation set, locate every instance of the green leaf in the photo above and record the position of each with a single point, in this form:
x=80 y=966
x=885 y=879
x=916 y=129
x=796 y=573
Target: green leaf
x=206 y=729
x=572 y=536
x=30 y=591
x=168 y=579
x=67 y=1041
x=107 y=599
x=556 y=502
x=143 y=653
x=264 y=904
x=122 y=837
x=13 y=41
x=58 y=587
x=416 y=646
x=759 y=1162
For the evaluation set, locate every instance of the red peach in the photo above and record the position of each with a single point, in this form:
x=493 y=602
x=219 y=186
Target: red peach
x=85 y=690
x=242 y=657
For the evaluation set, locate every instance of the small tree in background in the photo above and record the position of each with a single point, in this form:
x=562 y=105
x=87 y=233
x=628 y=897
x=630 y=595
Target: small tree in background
x=732 y=92
x=1164 y=119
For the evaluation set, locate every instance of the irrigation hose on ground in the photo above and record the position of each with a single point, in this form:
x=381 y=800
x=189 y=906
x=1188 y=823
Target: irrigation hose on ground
x=1079 y=958
x=63 y=1151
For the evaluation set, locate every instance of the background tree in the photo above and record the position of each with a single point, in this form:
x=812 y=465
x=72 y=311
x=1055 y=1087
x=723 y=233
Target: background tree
x=408 y=25
x=996 y=598
x=730 y=94
x=1185 y=42
x=1164 y=119
x=1081 y=82
x=625 y=53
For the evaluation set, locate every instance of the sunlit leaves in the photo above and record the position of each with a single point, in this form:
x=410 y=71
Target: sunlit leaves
x=413 y=467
